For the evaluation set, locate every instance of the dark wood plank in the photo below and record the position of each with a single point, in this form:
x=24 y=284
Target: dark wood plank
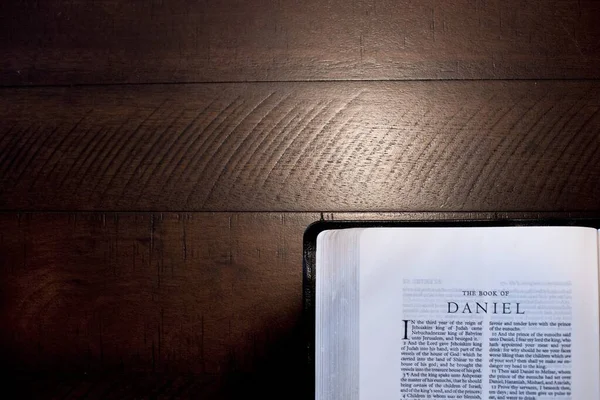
x=160 y=305
x=108 y=41
x=208 y=303
x=403 y=146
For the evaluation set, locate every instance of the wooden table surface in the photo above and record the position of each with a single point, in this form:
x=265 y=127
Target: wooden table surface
x=160 y=160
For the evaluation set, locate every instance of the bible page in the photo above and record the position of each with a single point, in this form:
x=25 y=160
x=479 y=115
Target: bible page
x=478 y=313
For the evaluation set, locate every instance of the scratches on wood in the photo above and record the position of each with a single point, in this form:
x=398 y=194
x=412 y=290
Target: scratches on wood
x=137 y=141
x=208 y=143
x=302 y=147
x=163 y=171
x=142 y=171
x=290 y=138
x=230 y=147
x=64 y=141
x=257 y=142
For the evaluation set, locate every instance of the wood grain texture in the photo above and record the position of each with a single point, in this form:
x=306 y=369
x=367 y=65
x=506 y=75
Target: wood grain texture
x=109 y=41
x=377 y=146
x=203 y=303
x=161 y=305
x=170 y=303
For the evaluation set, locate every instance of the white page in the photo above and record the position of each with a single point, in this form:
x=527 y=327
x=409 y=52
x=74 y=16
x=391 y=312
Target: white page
x=336 y=315
x=558 y=265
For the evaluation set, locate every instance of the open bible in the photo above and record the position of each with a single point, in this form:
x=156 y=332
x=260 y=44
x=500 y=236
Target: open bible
x=479 y=312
